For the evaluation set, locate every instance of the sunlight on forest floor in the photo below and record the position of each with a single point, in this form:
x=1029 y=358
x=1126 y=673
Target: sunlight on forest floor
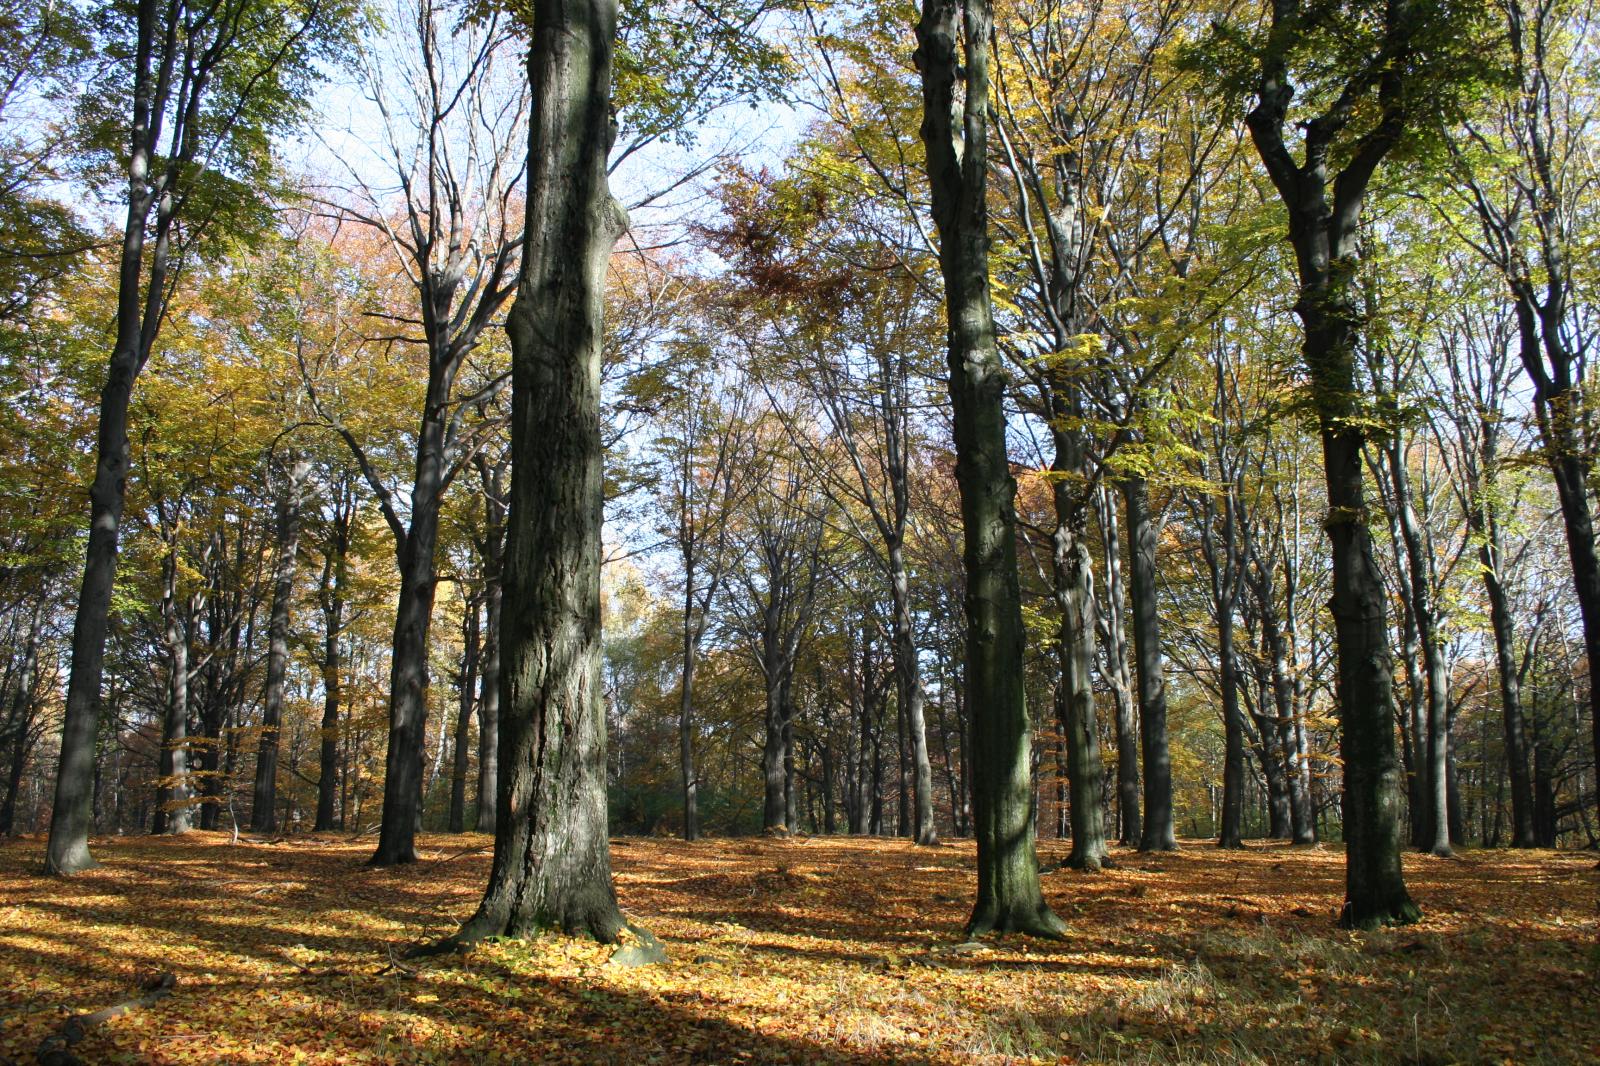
x=813 y=950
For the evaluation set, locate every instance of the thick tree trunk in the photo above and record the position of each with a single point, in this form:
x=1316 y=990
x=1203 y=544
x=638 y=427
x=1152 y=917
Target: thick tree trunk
x=173 y=812
x=263 y=808
x=463 y=749
x=1159 y=833
x=1009 y=896
x=73 y=812
x=408 y=668
x=552 y=860
x=1323 y=232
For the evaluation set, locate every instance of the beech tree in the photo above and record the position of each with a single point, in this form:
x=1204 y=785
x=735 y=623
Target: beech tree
x=1360 y=109
x=953 y=57
x=552 y=856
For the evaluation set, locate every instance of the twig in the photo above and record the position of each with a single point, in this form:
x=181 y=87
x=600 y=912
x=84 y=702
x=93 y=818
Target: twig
x=56 y=1048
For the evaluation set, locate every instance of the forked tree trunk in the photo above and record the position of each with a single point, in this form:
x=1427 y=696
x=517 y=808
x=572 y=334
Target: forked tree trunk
x=952 y=39
x=1324 y=212
x=552 y=856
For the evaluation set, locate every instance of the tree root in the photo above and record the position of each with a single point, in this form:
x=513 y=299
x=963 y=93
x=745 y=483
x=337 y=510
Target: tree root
x=56 y=1050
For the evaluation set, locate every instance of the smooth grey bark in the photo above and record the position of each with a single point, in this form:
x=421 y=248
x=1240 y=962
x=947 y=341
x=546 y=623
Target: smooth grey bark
x=138 y=316
x=1531 y=240
x=1113 y=635
x=552 y=859
x=1159 y=833
x=1324 y=210
x=908 y=680
x=1436 y=694
x=1074 y=592
x=953 y=40
x=263 y=808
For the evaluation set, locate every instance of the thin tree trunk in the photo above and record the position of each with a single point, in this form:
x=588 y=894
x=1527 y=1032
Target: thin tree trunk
x=463 y=750
x=334 y=576
x=173 y=813
x=908 y=676
x=1436 y=822
x=1516 y=741
x=1116 y=642
x=1159 y=833
x=263 y=808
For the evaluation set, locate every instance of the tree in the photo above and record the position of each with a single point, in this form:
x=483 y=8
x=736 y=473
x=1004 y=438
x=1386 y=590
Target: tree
x=451 y=141
x=552 y=862
x=201 y=86
x=1526 y=172
x=1362 y=107
x=953 y=57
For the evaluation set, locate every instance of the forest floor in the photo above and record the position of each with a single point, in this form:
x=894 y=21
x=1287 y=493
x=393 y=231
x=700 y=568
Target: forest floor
x=800 y=951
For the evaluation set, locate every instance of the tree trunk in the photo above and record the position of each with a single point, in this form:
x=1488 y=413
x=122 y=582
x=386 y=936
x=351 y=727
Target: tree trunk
x=1558 y=404
x=692 y=628
x=489 y=686
x=1009 y=896
x=408 y=669
x=908 y=676
x=1324 y=237
x=173 y=813
x=469 y=683
x=1436 y=696
x=1159 y=833
x=1490 y=555
x=263 y=808
x=1230 y=834
x=552 y=859
x=1116 y=642
x=19 y=721
x=1073 y=575
x=334 y=575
